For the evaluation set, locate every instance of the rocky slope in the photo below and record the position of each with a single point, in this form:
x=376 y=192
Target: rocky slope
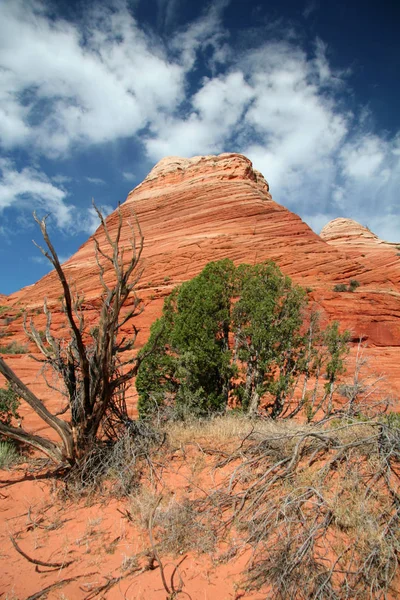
x=192 y=211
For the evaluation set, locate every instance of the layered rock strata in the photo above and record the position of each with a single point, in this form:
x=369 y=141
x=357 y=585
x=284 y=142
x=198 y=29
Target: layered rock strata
x=192 y=211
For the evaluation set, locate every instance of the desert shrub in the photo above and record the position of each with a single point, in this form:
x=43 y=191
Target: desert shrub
x=8 y=455
x=177 y=525
x=340 y=287
x=114 y=467
x=13 y=348
x=190 y=345
x=320 y=508
x=353 y=285
x=207 y=346
x=267 y=321
x=181 y=528
x=9 y=403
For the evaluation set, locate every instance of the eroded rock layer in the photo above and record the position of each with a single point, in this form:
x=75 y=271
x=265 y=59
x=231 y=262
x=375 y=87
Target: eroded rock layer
x=192 y=211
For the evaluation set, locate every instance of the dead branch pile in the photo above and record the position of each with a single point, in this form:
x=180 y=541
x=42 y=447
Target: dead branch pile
x=116 y=466
x=319 y=508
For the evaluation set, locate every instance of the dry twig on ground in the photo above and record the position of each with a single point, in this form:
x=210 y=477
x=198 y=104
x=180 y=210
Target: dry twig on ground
x=319 y=507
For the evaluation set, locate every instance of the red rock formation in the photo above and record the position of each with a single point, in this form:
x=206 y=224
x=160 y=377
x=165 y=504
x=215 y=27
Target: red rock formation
x=378 y=297
x=206 y=208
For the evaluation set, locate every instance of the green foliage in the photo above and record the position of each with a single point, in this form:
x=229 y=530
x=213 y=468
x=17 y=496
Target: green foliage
x=8 y=405
x=13 y=348
x=237 y=331
x=8 y=455
x=336 y=344
x=3 y=309
x=392 y=419
x=192 y=366
x=353 y=285
x=267 y=320
x=340 y=287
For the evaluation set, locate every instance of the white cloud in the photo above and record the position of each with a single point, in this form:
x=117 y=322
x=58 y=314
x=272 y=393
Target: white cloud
x=129 y=176
x=95 y=180
x=70 y=85
x=60 y=179
x=89 y=221
x=363 y=157
x=167 y=13
x=297 y=127
x=370 y=180
x=30 y=188
x=316 y=221
x=61 y=88
x=217 y=109
x=206 y=33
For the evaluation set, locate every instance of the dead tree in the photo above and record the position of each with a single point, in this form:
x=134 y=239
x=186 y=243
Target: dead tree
x=91 y=364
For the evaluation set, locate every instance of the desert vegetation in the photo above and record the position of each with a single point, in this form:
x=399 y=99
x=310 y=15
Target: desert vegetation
x=240 y=336
x=342 y=287
x=89 y=363
x=254 y=439
x=13 y=348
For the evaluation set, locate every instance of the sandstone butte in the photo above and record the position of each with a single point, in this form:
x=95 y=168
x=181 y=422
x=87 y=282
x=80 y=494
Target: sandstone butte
x=205 y=208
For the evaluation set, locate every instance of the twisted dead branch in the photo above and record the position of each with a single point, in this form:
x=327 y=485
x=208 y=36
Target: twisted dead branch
x=36 y=561
x=94 y=364
x=319 y=508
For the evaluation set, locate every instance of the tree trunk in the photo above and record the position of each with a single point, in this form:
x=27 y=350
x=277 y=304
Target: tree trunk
x=249 y=385
x=278 y=406
x=36 y=441
x=254 y=401
x=61 y=427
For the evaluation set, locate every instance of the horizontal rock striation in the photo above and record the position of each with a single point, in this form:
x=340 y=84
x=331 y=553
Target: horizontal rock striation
x=205 y=208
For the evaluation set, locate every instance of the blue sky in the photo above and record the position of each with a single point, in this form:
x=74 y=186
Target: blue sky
x=93 y=94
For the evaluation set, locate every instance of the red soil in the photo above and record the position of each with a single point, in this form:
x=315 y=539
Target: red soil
x=100 y=542
x=191 y=212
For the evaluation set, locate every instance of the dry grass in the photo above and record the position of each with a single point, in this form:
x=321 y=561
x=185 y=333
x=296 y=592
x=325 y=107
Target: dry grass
x=114 y=469
x=319 y=506
x=179 y=527
x=225 y=429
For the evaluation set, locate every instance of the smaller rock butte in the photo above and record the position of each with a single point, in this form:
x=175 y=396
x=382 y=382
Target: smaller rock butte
x=342 y=230
x=205 y=208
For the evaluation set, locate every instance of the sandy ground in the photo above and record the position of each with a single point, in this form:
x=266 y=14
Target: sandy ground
x=94 y=543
